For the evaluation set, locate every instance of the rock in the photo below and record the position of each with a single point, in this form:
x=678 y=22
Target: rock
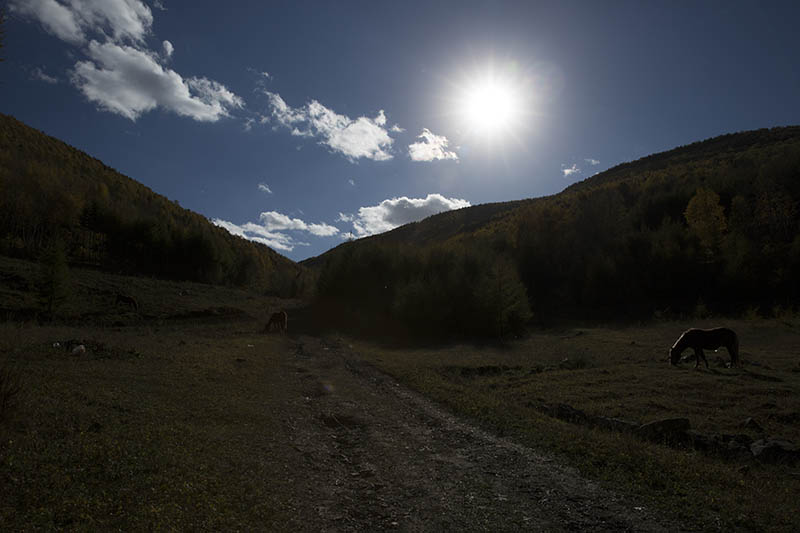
x=775 y=451
x=79 y=349
x=749 y=423
x=666 y=429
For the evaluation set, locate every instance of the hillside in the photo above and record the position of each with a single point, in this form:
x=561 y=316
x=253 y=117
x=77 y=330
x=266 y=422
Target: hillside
x=50 y=191
x=708 y=227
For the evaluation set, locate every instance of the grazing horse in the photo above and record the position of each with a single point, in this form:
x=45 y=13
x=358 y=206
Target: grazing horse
x=709 y=339
x=125 y=299
x=279 y=319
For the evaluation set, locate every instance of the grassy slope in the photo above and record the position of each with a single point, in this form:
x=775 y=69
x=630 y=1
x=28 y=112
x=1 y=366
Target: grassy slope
x=624 y=374
x=166 y=422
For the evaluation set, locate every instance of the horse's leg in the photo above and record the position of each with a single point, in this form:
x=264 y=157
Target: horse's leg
x=703 y=355
x=734 y=353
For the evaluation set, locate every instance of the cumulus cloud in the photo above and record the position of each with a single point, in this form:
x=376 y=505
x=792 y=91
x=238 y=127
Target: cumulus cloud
x=272 y=227
x=264 y=188
x=55 y=18
x=593 y=162
x=71 y=20
x=395 y=212
x=120 y=74
x=275 y=221
x=354 y=138
x=568 y=171
x=257 y=233
x=129 y=82
x=432 y=147
x=39 y=74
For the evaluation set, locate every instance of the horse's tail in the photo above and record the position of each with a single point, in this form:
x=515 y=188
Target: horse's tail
x=735 y=352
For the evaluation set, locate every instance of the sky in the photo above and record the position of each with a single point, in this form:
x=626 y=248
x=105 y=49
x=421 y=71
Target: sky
x=302 y=124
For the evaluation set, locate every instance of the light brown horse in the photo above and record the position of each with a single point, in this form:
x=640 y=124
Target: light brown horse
x=280 y=320
x=708 y=339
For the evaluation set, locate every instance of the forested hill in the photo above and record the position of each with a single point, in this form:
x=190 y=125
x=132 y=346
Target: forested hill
x=711 y=227
x=50 y=191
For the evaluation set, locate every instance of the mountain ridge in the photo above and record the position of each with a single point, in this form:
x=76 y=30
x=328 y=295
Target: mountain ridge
x=111 y=221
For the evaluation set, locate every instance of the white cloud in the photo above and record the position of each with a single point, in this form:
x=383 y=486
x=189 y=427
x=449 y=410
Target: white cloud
x=568 y=171
x=272 y=230
x=158 y=4
x=122 y=75
x=56 y=18
x=432 y=147
x=395 y=212
x=593 y=162
x=351 y=182
x=70 y=21
x=275 y=221
x=257 y=233
x=264 y=188
x=128 y=81
x=39 y=74
x=355 y=138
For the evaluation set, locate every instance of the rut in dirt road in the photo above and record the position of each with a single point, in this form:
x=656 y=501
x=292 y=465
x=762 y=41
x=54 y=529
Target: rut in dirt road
x=373 y=455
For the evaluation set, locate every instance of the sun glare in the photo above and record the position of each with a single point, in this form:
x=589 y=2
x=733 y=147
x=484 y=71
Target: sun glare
x=490 y=106
x=491 y=103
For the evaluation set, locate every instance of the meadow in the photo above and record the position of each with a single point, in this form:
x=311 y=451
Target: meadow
x=174 y=416
x=622 y=372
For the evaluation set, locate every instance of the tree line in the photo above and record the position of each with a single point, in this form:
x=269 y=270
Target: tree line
x=708 y=228
x=51 y=191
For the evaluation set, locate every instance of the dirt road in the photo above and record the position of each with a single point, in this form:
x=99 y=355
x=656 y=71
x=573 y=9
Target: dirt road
x=372 y=455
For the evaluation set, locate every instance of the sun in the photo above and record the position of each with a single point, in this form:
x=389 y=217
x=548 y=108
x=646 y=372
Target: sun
x=490 y=105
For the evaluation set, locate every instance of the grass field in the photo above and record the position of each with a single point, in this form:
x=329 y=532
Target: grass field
x=622 y=372
x=170 y=418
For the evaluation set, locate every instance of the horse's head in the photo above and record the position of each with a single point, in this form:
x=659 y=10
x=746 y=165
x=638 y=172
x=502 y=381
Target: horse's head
x=674 y=355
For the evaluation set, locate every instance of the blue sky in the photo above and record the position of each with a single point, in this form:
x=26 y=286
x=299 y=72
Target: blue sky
x=300 y=124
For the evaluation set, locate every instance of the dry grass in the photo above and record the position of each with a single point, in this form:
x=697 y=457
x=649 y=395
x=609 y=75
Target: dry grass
x=146 y=430
x=623 y=373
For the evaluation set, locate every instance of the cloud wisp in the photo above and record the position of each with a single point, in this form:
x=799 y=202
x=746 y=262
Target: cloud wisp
x=272 y=229
x=593 y=162
x=120 y=74
x=362 y=137
x=569 y=171
x=38 y=73
x=263 y=187
x=395 y=212
x=432 y=147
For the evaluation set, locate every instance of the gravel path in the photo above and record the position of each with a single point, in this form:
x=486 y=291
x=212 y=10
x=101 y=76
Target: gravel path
x=368 y=454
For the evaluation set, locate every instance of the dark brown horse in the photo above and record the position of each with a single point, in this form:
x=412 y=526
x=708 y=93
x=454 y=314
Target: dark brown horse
x=280 y=320
x=128 y=300
x=705 y=339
